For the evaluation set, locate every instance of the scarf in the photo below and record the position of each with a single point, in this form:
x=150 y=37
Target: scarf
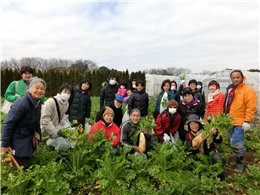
x=212 y=95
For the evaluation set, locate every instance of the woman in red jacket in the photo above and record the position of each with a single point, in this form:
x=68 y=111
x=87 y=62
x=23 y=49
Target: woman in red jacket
x=106 y=124
x=167 y=123
x=215 y=102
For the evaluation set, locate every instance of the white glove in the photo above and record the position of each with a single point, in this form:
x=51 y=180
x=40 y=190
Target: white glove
x=246 y=126
x=166 y=137
x=54 y=135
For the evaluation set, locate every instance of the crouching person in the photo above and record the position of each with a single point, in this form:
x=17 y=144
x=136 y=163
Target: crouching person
x=167 y=123
x=197 y=145
x=131 y=136
x=106 y=124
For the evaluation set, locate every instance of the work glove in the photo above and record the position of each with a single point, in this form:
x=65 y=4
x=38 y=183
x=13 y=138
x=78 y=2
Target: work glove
x=54 y=135
x=246 y=126
x=166 y=137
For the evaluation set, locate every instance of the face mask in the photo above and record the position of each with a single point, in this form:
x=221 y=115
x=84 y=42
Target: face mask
x=134 y=86
x=172 y=110
x=198 y=86
x=65 y=96
x=112 y=82
x=173 y=87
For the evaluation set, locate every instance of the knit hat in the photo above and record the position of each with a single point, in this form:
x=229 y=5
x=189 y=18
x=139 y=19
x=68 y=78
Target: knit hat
x=108 y=110
x=173 y=103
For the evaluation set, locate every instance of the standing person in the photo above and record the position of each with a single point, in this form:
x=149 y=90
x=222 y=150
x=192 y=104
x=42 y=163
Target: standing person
x=106 y=124
x=133 y=85
x=200 y=90
x=139 y=99
x=53 y=116
x=189 y=105
x=122 y=90
x=164 y=96
x=173 y=90
x=168 y=122
x=240 y=104
x=80 y=105
x=117 y=109
x=215 y=102
x=193 y=85
x=22 y=124
x=107 y=94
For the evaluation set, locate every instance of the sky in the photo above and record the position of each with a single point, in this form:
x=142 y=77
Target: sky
x=135 y=35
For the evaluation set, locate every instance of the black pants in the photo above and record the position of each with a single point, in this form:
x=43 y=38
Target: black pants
x=25 y=162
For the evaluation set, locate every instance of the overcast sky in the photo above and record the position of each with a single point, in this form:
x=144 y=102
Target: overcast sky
x=200 y=35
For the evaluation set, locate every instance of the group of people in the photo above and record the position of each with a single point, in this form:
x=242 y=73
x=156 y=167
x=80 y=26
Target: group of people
x=178 y=114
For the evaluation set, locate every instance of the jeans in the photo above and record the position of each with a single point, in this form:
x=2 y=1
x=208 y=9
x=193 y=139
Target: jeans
x=236 y=137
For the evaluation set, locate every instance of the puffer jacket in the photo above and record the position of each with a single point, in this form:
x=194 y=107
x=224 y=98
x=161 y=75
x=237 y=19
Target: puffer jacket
x=20 y=124
x=164 y=124
x=80 y=106
x=140 y=101
x=216 y=106
x=107 y=95
x=243 y=106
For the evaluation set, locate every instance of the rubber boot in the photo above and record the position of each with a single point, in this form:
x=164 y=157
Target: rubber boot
x=239 y=165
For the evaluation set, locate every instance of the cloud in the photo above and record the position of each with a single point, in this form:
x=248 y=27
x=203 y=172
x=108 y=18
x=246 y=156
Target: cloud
x=135 y=35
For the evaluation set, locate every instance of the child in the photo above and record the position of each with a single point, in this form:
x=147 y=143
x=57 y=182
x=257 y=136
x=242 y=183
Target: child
x=122 y=90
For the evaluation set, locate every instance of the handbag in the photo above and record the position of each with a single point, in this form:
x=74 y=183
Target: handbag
x=7 y=105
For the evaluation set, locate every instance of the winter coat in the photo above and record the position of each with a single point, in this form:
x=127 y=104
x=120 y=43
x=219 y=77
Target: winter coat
x=122 y=91
x=158 y=101
x=80 y=106
x=128 y=129
x=118 y=114
x=243 y=106
x=20 y=124
x=50 y=118
x=111 y=130
x=176 y=95
x=216 y=106
x=165 y=125
x=140 y=101
x=107 y=95
x=213 y=146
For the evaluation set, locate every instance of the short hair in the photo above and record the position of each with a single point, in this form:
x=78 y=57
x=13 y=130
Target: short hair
x=213 y=82
x=36 y=80
x=85 y=81
x=135 y=110
x=193 y=81
x=173 y=81
x=140 y=82
x=25 y=69
x=164 y=82
x=239 y=71
x=65 y=86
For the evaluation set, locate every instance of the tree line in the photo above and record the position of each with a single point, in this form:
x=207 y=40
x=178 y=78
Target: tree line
x=56 y=77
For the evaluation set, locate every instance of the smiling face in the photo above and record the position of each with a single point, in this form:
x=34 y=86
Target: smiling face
x=84 y=86
x=117 y=104
x=188 y=97
x=139 y=87
x=212 y=88
x=193 y=86
x=26 y=76
x=108 y=118
x=236 y=78
x=135 y=117
x=166 y=87
x=194 y=126
x=37 y=90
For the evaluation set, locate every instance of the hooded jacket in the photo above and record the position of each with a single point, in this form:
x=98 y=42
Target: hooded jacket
x=243 y=106
x=107 y=95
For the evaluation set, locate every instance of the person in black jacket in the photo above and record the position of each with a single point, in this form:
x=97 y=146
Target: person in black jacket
x=107 y=94
x=80 y=105
x=22 y=124
x=176 y=95
x=189 y=105
x=117 y=108
x=197 y=93
x=139 y=99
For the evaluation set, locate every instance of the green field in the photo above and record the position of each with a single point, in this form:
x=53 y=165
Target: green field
x=91 y=167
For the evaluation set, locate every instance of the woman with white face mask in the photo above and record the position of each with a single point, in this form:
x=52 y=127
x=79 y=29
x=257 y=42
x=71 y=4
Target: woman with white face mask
x=53 y=116
x=167 y=123
x=108 y=94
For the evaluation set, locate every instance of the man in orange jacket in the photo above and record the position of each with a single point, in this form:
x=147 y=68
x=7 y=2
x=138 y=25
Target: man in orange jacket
x=240 y=103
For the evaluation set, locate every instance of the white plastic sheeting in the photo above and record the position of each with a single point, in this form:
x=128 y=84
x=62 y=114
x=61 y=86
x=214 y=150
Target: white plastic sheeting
x=153 y=82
